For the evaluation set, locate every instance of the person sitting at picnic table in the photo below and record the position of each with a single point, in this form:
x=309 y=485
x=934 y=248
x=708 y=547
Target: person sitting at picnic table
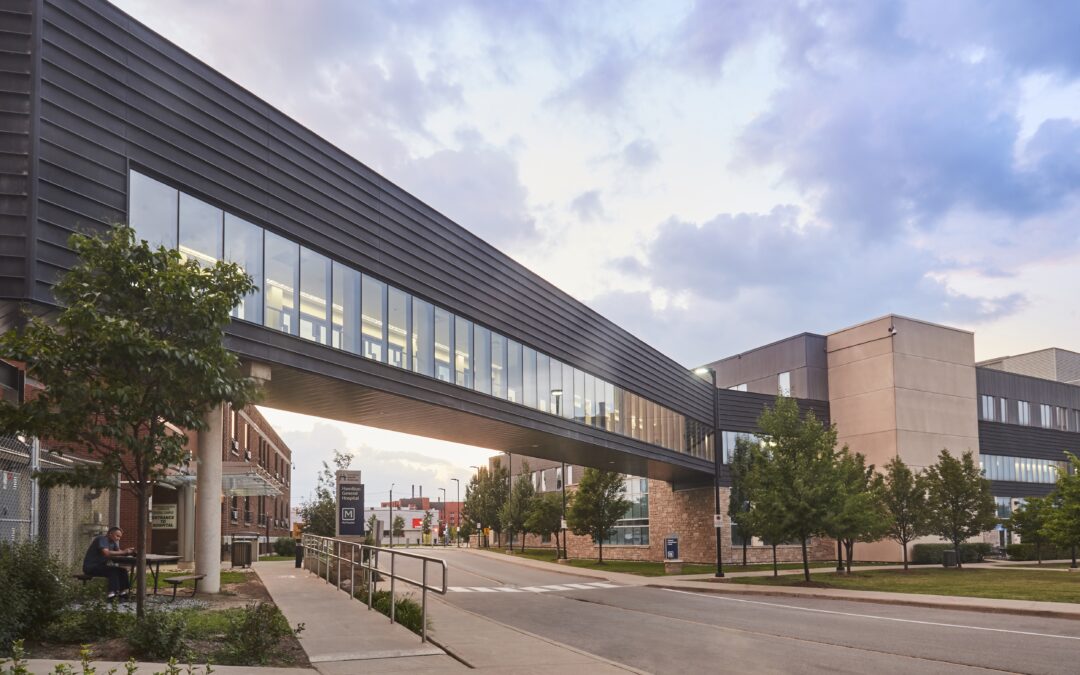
x=96 y=563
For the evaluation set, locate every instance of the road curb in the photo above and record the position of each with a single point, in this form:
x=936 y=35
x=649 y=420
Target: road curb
x=736 y=589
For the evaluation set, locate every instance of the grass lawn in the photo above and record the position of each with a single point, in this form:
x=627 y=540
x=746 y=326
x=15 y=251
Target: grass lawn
x=976 y=583
x=653 y=569
x=273 y=558
x=227 y=577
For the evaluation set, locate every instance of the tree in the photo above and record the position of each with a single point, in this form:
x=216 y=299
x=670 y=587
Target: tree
x=516 y=509
x=484 y=498
x=801 y=471
x=135 y=352
x=545 y=515
x=399 y=526
x=372 y=526
x=1063 y=521
x=768 y=516
x=904 y=498
x=319 y=512
x=597 y=505
x=425 y=524
x=465 y=531
x=740 y=496
x=1029 y=521
x=858 y=513
x=959 y=499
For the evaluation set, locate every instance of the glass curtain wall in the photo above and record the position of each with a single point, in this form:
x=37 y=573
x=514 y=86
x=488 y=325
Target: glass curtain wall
x=302 y=292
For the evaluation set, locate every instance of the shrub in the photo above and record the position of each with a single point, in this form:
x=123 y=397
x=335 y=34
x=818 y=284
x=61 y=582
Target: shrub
x=92 y=620
x=285 y=546
x=1027 y=552
x=255 y=635
x=36 y=587
x=160 y=635
x=407 y=611
x=931 y=554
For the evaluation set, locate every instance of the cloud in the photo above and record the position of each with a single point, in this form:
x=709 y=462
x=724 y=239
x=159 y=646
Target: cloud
x=640 y=154
x=587 y=206
x=477 y=186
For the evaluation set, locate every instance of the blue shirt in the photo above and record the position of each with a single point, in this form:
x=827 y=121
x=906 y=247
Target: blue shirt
x=94 y=556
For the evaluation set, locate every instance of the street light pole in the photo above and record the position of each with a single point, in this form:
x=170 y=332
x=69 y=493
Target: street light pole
x=510 y=491
x=457 y=513
x=480 y=541
x=716 y=467
x=564 y=552
x=443 y=514
x=391 y=504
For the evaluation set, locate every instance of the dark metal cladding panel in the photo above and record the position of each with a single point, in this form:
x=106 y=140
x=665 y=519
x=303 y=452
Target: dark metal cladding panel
x=1014 y=440
x=114 y=93
x=1004 y=488
x=18 y=32
x=739 y=410
x=1034 y=390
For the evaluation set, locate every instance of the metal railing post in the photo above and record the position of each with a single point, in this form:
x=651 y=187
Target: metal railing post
x=393 y=578
x=371 y=567
x=352 y=571
x=423 y=603
x=337 y=548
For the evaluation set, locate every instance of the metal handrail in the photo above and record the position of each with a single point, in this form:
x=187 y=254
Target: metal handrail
x=327 y=550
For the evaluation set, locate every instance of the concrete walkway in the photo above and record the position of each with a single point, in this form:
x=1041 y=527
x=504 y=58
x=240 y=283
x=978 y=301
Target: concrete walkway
x=340 y=634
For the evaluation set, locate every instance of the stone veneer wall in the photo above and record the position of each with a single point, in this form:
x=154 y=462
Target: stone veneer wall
x=689 y=515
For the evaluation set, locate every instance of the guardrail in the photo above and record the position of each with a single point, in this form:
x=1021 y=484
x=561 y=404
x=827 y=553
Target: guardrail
x=328 y=553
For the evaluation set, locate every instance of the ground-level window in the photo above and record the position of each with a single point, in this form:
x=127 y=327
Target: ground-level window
x=633 y=528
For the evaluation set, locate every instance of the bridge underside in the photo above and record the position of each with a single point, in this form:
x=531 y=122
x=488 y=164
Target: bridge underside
x=315 y=380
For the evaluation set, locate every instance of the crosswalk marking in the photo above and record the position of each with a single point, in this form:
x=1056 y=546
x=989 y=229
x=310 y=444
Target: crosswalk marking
x=532 y=589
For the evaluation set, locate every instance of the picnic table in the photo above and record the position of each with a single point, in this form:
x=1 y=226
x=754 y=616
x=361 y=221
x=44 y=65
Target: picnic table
x=154 y=561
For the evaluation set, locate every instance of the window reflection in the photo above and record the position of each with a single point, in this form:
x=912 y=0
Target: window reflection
x=558 y=394
x=482 y=359
x=200 y=231
x=314 y=296
x=498 y=365
x=423 y=337
x=543 y=381
x=567 y=402
x=282 y=278
x=373 y=311
x=513 y=372
x=463 y=352
x=443 y=322
x=528 y=377
x=400 y=309
x=346 y=310
x=244 y=246
x=152 y=211
x=579 y=395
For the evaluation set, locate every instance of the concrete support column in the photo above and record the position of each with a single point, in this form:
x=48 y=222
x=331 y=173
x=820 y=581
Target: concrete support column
x=208 y=502
x=186 y=522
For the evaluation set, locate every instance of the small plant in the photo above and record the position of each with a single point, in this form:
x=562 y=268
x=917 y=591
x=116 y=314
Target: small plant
x=407 y=611
x=93 y=620
x=160 y=635
x=255 y=635
x=36 y=586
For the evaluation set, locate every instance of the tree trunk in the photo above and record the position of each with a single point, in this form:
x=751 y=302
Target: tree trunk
x=744 y=552
x=959 y=562
x=775 y=567
x=850 y=553
x=839 y=555
x=522 y=542
x=1038 y=551
x=805 y=561
x=601 y=549
x=903 y=545
x=142 y=496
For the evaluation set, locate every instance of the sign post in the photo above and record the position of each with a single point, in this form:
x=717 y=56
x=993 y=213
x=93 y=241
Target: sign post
x=350 y=505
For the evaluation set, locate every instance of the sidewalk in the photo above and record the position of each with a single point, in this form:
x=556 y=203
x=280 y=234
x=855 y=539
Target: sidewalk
x=340 y=634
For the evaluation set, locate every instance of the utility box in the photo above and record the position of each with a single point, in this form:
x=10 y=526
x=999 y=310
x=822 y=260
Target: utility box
x=948 y=558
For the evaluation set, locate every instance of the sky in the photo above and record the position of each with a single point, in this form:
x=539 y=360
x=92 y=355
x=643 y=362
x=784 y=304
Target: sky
x=711 y=176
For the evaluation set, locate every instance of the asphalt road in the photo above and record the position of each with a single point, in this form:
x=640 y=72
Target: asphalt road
x=663 y=631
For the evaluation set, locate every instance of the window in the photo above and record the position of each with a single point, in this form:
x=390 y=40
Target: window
x=633 y=528
x=1061 y=418
x=513 y=372
x=543 y=382
x=986 y=407
x=1003 y=409
x=783 y=384
x=588 y=396
x=528 y=377
x=444 y=321
x=152 y=210
x=555 y=399
x=282 y=278
x=482 y=359
x=558 y=478
x=570 y=474
x=244 y=246
x=345 y=315
x=314 y=296
x=579 y=395
x=1046 y=421
x=567 y=401
x=200 y=231
x=398 y=310
x=463 y=352
x=1023 y=412
x=373 y=306
x=498 y=365
x=1021 y=469
x=423 y=337
x=729 y=441
x=738 y=387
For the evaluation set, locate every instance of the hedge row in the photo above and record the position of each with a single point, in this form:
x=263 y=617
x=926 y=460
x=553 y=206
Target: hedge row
x=931 y=554
x=1027 y=552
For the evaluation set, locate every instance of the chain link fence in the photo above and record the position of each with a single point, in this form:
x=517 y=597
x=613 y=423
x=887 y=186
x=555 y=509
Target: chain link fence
x=64 y=519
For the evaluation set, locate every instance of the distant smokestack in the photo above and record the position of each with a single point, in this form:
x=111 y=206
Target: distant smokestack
x=421 y=492
x=412 y=492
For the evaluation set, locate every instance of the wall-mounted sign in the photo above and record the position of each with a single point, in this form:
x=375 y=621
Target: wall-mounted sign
x=163 y=517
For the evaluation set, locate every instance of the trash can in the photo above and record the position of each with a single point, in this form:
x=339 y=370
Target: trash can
x=241 y=550
x=299 y=553
x=948 y=558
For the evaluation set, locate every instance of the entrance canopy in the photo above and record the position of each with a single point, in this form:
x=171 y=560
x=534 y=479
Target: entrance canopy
x=248 y=480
